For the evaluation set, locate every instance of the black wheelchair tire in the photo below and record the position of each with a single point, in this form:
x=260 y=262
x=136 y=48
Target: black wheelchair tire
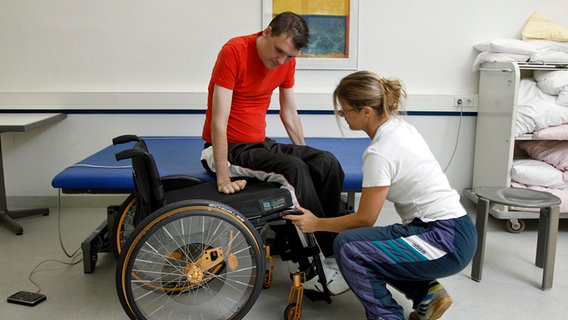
x=123 y=225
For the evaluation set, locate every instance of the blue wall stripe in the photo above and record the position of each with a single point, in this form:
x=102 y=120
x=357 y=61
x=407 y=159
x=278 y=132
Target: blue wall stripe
x=201 y=111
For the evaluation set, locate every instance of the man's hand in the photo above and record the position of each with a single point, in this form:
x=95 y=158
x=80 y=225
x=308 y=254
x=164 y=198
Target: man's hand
x=228 y=186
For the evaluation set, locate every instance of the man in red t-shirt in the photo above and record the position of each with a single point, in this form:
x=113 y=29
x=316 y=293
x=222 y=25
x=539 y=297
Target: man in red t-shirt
x=247 y=71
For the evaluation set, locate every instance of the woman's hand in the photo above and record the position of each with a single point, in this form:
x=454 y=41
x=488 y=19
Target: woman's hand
x=306 y=222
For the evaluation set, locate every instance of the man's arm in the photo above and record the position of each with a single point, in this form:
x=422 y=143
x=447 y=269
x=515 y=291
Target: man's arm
x=289 y=116
x=220 y=111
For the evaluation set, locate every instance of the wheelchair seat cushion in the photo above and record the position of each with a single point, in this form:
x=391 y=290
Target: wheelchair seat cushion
x=258 y=198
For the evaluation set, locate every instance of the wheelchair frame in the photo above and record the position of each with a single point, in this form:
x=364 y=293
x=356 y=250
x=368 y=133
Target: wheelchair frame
x=193 y=256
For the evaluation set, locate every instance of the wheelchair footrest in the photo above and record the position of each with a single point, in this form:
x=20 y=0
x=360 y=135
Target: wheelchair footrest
x=317 y=296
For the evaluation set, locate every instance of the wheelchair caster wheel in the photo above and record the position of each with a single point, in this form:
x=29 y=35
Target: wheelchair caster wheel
x=293 y=312
x=515 y=226
x=267 y=280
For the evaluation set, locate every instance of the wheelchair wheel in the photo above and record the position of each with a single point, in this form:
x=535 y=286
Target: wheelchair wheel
x=292 y=312
x=194 y=259
x=124 y=224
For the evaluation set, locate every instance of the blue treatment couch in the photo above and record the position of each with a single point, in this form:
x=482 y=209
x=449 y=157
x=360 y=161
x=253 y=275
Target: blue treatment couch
x=101 y=173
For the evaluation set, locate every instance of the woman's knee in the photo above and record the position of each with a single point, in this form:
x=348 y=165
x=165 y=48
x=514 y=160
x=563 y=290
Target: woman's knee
x=340 y=240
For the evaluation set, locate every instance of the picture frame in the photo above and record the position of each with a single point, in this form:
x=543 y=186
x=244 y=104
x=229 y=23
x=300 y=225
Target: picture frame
x=334 y=29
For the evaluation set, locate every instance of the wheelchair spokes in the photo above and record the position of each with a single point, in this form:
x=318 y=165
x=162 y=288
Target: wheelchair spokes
x=124 y=224
x=195 y=262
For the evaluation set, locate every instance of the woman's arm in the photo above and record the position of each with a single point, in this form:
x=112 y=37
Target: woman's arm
x=370 y=206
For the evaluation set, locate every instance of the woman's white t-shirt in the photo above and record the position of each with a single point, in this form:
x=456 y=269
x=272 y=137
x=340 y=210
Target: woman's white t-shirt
x=399 y=157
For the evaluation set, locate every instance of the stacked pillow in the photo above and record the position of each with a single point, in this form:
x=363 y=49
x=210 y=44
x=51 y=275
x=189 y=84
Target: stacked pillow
x=543 y=41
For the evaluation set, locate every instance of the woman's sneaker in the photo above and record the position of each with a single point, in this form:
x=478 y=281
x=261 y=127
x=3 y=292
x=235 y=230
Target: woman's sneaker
x=433 y=305
x=335 y=282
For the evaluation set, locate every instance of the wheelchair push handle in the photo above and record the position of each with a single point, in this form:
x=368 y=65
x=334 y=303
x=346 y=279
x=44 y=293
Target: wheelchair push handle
x=130 y=153
x=125 y=138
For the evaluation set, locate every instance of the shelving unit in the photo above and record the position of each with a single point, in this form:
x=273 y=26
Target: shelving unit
x=496 y=144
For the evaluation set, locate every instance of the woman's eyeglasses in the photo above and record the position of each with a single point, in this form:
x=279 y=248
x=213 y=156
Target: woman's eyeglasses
x=342 y=112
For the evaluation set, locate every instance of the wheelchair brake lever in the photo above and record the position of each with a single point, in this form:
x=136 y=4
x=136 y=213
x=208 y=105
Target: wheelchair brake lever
x=292 y=211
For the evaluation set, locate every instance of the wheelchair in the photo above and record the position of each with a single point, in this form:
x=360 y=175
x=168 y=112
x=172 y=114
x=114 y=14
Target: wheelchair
x=187 y=251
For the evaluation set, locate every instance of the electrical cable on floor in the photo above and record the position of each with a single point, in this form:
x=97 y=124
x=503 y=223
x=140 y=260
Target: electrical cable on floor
x=72 y=263
x=72 y=256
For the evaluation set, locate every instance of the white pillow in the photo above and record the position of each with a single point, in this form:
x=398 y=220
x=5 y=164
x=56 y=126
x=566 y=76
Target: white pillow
x=563 y=97
x=488 y=56
x=551 y=82
x=536 y=109
x=550 y=56
x=513 y=46
x=537 y=173
x=547 y=45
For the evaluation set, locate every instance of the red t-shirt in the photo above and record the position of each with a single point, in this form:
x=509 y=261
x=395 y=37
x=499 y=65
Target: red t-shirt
x=239 y=68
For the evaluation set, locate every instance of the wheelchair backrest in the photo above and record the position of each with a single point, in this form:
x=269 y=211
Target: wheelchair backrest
x=149 y=190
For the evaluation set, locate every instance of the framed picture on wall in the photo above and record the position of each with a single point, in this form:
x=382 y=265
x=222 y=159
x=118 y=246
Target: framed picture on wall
x=333 y=31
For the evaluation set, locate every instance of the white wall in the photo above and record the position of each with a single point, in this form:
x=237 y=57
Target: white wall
x=169 y=46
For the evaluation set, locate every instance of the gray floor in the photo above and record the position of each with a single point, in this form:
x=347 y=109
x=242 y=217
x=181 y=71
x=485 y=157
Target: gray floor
x=509 y=290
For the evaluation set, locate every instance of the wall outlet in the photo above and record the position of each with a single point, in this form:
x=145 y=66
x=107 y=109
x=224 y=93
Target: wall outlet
x=466 y=101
